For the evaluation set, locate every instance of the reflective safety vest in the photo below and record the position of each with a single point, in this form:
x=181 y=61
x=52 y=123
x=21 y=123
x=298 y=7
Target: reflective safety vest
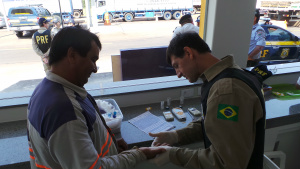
x=256 y=160
x=43 y=40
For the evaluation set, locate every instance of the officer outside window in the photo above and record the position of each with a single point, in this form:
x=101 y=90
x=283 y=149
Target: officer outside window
x=41 y=41
x=257 y=42
x=56 y=28
x=187 y=25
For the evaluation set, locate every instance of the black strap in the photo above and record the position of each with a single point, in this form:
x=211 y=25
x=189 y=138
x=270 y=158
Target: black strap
x=256 y=160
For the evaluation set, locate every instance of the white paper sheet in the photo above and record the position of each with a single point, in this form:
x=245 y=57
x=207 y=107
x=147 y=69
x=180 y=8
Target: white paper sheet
x=147 y=122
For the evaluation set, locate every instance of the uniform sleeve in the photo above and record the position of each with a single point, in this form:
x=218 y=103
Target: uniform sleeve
x=176 y=31
x=260 y=37
x=232 y=136
x=36 y=48
x=191 y=133
x=72 y=147
x=52 y=33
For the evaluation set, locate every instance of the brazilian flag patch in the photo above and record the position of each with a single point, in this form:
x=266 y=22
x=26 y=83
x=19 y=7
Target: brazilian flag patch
x=228 y=112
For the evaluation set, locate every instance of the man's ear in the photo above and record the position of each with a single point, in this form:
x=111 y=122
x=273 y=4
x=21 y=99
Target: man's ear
x=188 y=52
x=72 y=55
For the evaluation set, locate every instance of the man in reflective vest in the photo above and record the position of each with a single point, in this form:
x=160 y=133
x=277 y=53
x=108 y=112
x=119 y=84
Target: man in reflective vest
x=233 y=106
x=65 y=126
x=41 y=41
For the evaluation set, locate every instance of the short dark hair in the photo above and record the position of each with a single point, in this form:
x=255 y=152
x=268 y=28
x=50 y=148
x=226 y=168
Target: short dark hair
x=257 y=15
x=189 y=39
x=185 y=19
x=76 y=37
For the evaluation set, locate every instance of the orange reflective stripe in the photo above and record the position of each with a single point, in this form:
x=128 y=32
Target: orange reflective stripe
x=100 y=167
x=32 y=157
x=30 y=149
x=41 y=166
x=107 y=136
x=107 y=148
x=95 y=161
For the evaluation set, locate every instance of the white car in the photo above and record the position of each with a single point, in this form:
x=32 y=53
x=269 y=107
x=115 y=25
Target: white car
x=2 y=22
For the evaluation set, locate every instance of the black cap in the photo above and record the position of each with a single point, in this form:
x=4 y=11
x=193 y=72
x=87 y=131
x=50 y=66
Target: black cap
x=42 y=20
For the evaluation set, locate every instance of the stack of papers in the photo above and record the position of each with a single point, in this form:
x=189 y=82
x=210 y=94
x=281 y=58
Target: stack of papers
x=149 y=123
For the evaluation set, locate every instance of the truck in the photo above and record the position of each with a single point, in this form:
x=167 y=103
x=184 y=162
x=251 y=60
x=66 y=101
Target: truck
x=196 y=6
x=130 y=9
x=282 y=10
x=77 y=8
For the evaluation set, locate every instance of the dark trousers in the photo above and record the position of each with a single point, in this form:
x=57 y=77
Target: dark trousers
x=252 y=63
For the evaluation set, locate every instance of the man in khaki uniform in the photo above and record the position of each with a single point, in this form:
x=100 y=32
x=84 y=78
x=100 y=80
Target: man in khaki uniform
x=233 y=106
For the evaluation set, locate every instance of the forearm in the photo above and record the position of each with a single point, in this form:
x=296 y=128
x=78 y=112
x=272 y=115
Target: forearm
x=191 y=133
x=255 y=51
x=203 y=158
x=126 y=159
x=36 y=49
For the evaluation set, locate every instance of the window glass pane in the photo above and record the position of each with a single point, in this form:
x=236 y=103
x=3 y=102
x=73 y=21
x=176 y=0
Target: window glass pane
x=279 y=35
x=101 y=3
x=21 y=11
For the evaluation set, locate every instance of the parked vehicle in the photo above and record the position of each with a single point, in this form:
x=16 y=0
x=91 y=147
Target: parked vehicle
x=2 y=21
x=25 y=18
x=77 y=8
x=130 y=9
x=196 y=6
x=281 y=46
x=288 y=10
x=67 y=17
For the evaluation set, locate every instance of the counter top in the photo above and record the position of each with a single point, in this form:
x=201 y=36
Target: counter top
x=14 y=146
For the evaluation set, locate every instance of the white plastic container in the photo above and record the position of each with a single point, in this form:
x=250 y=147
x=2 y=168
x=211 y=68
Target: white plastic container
x=113 y=123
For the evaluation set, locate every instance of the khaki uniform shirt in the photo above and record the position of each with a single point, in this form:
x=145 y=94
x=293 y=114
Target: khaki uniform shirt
x=54 y=31
x=232 y=141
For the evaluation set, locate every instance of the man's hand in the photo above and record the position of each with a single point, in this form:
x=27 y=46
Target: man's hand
x=163 y=158
x=167 y=137
x=151 y=152
x=122 y=145
x=45 y=60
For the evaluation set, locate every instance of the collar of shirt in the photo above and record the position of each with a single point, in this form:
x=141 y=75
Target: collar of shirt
x=217 y=68
x=254 y=26
x=55 y=78
x=42 y=29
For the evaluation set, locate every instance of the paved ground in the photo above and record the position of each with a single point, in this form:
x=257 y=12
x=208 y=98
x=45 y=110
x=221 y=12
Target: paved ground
x=20 y=67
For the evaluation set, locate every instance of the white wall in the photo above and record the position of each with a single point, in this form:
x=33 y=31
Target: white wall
x=228 y=29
